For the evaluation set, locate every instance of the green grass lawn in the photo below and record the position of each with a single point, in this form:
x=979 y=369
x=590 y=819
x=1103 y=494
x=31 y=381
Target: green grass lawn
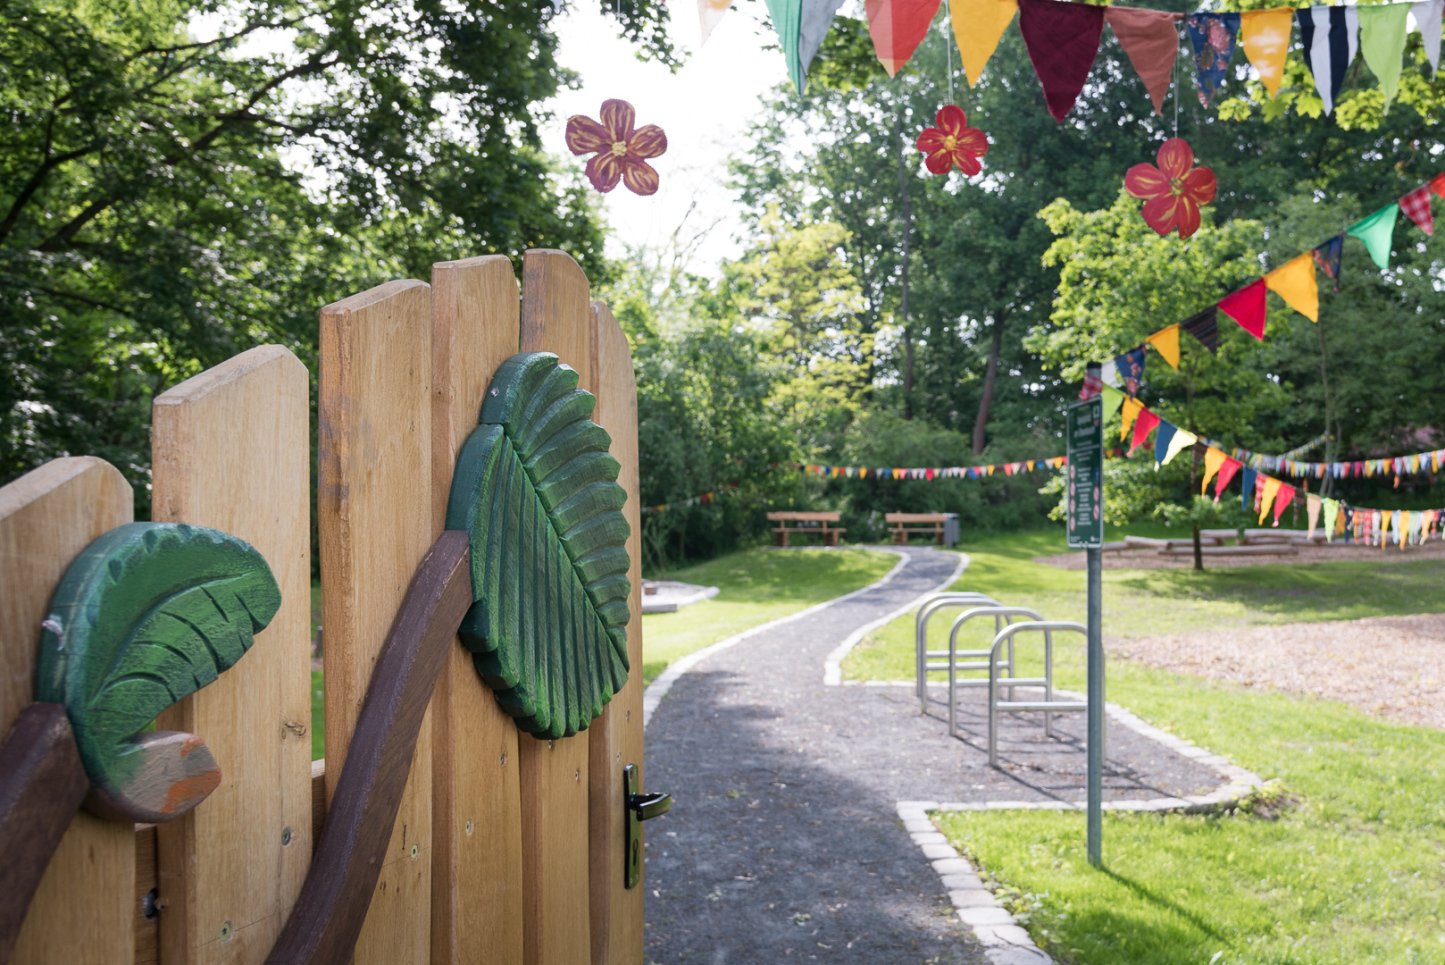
x=755 y=586
x=1351 y=871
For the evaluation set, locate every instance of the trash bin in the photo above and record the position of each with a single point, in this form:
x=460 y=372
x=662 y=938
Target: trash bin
x=950 y=529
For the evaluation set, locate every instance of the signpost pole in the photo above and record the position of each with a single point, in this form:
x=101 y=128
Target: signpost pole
x=1086 y=531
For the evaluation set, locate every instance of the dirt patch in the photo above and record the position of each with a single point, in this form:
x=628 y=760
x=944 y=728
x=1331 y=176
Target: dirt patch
x=1152 y=559
x=1391 y=667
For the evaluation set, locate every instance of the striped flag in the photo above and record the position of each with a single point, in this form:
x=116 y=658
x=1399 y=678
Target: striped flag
x=1330 y=36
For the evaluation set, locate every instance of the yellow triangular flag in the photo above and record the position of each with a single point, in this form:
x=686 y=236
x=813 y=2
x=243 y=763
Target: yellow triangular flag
x=1264 y=34
x=1166 y=340
x=1385 y=515
x=1181 y=440
x=1402 y=527
x=1130 y=412
x=1294 y=281
x=1266 y=499
x=978 y=25
x=1213 y=459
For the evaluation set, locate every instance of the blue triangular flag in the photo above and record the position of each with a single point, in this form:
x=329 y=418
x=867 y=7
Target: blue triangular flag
x=1246 y=476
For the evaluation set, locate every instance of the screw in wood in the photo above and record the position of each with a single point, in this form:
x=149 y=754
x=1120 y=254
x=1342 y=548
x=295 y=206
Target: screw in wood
x=471 y=826
x=286 y=837
x=577 y=774
x=228 y=931
x=504 y=758
x=415 y=850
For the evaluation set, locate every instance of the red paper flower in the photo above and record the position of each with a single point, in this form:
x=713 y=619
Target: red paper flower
x=952 y=143
x=1174 y=191
x=621 y=152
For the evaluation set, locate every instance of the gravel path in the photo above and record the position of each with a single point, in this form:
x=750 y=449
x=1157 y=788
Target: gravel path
x=784 y=842
x=1393 y=667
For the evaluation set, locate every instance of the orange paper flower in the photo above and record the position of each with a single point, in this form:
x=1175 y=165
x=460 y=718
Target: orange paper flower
x=952 y=143
x=1174 y=191
x=621 y=152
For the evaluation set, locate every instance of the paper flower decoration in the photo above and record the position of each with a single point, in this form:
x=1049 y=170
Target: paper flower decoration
x=1174 y=191
x=952 y=143
x=621 y=152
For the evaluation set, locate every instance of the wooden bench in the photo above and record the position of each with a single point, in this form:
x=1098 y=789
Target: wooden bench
x=903 y=525
x=820 y=524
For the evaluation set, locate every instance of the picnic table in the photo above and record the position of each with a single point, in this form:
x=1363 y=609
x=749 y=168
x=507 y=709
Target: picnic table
x=824 y=524
x=903 y=525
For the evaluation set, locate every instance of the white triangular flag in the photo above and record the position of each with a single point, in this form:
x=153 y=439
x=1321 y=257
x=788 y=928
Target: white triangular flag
x=1427 y=18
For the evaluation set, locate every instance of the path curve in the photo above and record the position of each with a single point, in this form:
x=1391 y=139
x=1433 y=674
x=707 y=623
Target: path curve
x=785 y=843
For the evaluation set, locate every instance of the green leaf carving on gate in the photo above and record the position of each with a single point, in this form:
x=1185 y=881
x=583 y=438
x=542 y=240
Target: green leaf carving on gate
x=147 y=614
x=536 y=491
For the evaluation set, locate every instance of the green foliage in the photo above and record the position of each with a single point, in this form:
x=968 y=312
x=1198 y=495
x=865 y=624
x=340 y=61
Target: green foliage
x=536 y=491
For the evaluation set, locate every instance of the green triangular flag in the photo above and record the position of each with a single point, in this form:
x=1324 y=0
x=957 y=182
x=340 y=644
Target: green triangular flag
x=787 y=21
x=1377 y=231
x=1382 y=41
x=1113 y=398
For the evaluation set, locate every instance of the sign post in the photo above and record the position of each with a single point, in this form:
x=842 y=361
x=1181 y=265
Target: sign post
x=1086 y=531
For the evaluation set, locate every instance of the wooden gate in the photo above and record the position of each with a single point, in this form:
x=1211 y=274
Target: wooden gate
x=506 y=848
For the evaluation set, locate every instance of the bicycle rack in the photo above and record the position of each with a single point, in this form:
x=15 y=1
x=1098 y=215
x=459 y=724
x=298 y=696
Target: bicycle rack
x=1048 y=706
x=933 y=605
x=1002 y=617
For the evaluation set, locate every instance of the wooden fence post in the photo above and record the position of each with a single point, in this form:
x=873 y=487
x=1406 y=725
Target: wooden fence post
x=231 y=450
x=84 y=912
x=376 y=524
x=476 y=803
x=556 y=317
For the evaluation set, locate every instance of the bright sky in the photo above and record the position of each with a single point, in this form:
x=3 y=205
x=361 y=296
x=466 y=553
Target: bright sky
x=703 y=108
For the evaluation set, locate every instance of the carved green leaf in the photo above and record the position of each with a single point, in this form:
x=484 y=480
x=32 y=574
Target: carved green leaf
x=146 y=615
x=536 y=491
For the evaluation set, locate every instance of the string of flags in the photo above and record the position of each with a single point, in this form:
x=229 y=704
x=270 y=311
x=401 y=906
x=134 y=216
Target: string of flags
x=1265 y=494
x=701 y=499
x=1295 y=281
x=1428 y=461
x=1063 y=38
x=931 y=473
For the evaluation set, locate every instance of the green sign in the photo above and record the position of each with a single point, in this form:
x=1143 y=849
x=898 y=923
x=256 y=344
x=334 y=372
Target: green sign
x=1086 y=474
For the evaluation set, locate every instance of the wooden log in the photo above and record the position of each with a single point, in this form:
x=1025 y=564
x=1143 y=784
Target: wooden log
x=476 y=792
x=42 y=783
x=332 y=908
x=81 y=913
x=1140 y=542
x=375 y=523
x=231 y=450
x=556 y=317
x=1278 y=549
x=616 y=738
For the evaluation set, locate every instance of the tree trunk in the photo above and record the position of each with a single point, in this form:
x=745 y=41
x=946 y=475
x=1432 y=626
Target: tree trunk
x=1331 y=428
x=905 y=207
x=1193 y=478
x=990 y=377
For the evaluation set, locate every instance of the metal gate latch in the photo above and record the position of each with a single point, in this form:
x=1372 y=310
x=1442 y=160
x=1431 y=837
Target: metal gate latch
x=639 y=808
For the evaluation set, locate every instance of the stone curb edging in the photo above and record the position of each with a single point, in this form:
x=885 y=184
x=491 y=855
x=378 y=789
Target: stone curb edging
x=659 y=687
x=833 y=664
x=1005 y=941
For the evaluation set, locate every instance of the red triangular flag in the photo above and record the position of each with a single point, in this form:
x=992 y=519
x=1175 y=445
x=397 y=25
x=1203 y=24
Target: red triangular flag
x=1416 y=204
x=1144 y=424
x=1151 y=40
x=1281 y=500
x=1226 y=475
x=897 y=28
x=1062 y=40
x=1246 y=307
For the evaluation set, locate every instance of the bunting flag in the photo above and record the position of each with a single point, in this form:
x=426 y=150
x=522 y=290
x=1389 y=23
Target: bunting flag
x=1383 y=526
x=1144 y=424
x=1212 y=36
x=1246 y=494
x=1312 y=512
x=1109 y=373
x=1130 y=412
x=1264 y=35
x=1332 y=515
x=1166 y=342
x=897 y=28
x=1205 y=327
x=1329 y=40
x=1213 y=459
x=1327 y=258
x=1246 y=307
x=1130 y=366
x=1181 y=440
x=817 y=18
x=1294 y=281
x=1268 y=491
x=1378 y=232
x=1283 y=499
x=1428 y=19
x=1416 y=206
x=1227 y=471
x=1382 y=42
x=787 y=20
x=1113 y=398
x=978 y=25
x=1162 y=439
x=1150 y=39
x=1062 y=40
x=1402 y=527
x=709 y=12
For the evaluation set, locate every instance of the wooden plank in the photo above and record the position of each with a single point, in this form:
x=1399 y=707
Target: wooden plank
x=556 y=317
x=147 y=918
x=476 y=791
x=375 y=523
x=1273 y=549
x=231 y=450
x=81 y=914
x=616 y=738
x=328 y=917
